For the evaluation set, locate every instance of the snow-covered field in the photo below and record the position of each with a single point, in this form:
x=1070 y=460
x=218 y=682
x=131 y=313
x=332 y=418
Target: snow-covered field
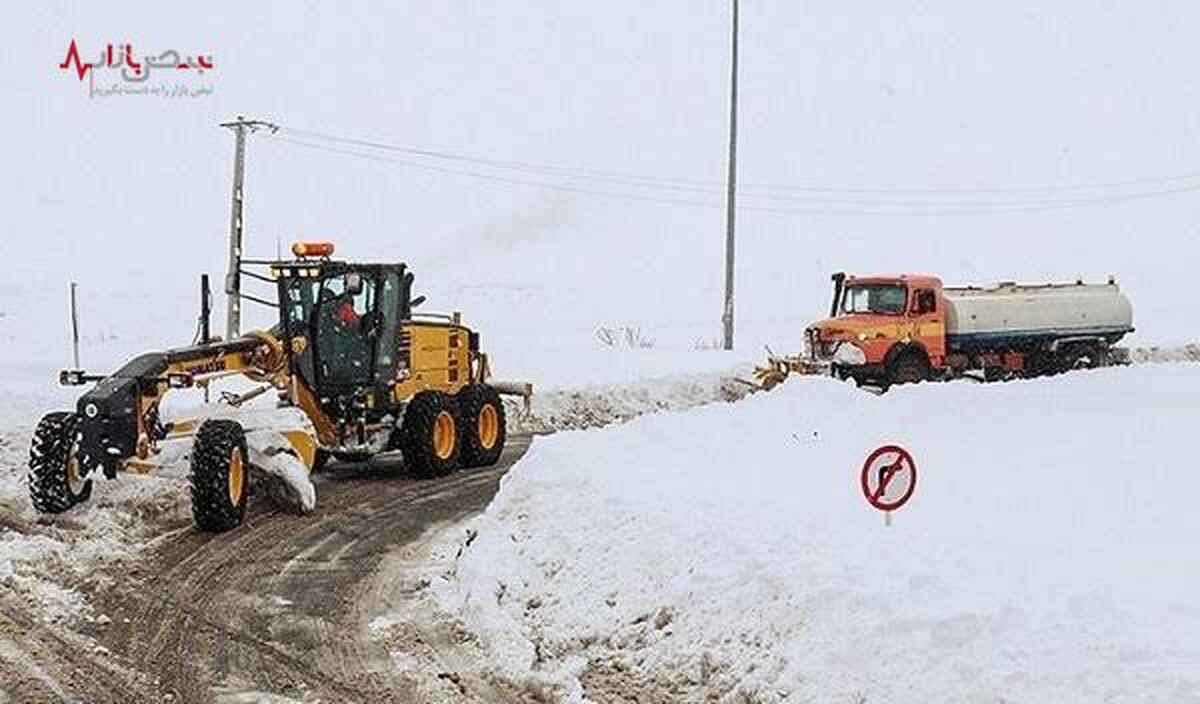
x=726 y=553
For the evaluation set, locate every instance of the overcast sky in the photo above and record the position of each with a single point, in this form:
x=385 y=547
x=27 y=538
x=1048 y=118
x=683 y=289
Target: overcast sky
x=886 y=105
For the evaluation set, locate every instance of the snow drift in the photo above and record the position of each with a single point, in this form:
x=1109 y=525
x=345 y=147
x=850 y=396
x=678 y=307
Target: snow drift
x=598 y=405
x=726 y=554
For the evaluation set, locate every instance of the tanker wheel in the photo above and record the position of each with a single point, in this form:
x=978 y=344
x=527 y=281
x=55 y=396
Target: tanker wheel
x=55 y=481
x=1081 y=356
x=429 y=437
x=484 y=432
x=219 y=475
x=908 y=368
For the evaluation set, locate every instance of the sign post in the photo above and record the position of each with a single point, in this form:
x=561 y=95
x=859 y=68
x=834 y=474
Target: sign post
x=888 y=479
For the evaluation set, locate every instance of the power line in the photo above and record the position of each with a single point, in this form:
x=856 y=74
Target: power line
x=705 y=186
x=898 y=208
x=489 y=177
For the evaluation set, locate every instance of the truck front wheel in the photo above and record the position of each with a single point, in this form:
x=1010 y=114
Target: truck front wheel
x=908 y=367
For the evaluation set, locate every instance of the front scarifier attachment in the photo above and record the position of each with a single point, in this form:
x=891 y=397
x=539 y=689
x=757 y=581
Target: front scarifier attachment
x=219 y=475
x=55 y=482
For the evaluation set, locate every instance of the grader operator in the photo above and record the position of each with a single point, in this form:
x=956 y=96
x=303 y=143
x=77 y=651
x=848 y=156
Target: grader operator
x=348 y=351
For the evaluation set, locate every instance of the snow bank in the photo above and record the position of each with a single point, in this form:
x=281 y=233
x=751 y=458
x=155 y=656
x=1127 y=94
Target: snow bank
x=726 y=553
x=1157 y=355
x=598 y=405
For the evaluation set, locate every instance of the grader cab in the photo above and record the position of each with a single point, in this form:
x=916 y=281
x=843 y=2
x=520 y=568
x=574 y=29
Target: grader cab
x=369 y=375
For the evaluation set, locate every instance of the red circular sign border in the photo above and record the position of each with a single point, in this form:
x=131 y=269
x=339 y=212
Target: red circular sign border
x=905 y=456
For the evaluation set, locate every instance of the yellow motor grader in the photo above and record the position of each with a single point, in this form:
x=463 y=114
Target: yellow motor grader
x=348 y=351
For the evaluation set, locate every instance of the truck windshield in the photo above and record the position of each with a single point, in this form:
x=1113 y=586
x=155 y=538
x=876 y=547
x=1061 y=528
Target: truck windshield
x=874 y=298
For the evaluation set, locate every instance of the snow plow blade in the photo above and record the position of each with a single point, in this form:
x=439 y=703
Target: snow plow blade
x=777 y=369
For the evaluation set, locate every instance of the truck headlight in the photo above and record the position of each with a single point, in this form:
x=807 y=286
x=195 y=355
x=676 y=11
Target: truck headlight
x=849 y=355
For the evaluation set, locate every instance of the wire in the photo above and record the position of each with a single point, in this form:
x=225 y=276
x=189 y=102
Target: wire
x=745 y=188
x=486 y=176
x=894 y=208
x=533 y=167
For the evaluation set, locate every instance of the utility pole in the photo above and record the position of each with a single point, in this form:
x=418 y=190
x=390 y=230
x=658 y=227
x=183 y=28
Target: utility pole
x=731 y=185
x=233 y=275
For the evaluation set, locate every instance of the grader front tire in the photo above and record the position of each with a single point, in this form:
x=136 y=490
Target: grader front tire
x=220 y=475
x=484 y=432
x=430 y=438
x=54 y=481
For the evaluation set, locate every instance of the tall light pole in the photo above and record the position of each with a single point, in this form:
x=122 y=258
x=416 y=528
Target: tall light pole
x=731 y=186
x=233 y=275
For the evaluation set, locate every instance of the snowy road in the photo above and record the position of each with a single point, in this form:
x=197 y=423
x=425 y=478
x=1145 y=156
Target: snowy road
x=275 y=607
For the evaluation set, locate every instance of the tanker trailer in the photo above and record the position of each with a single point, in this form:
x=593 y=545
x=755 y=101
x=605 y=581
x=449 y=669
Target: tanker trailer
x=1034 y=329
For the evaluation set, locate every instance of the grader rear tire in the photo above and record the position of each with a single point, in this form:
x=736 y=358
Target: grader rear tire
x=484 y=432
x=219 y=478
x=430 y=437
x=54 y=482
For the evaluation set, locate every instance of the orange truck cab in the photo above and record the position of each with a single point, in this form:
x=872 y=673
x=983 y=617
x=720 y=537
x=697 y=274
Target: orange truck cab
x=889 y=329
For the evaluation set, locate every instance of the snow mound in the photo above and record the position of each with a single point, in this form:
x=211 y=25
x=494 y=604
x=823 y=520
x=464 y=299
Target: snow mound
x=726 y=554
x=1157 y=355
x=598 y=405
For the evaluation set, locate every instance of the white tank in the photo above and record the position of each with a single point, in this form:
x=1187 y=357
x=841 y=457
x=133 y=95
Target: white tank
x=1044 y=310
